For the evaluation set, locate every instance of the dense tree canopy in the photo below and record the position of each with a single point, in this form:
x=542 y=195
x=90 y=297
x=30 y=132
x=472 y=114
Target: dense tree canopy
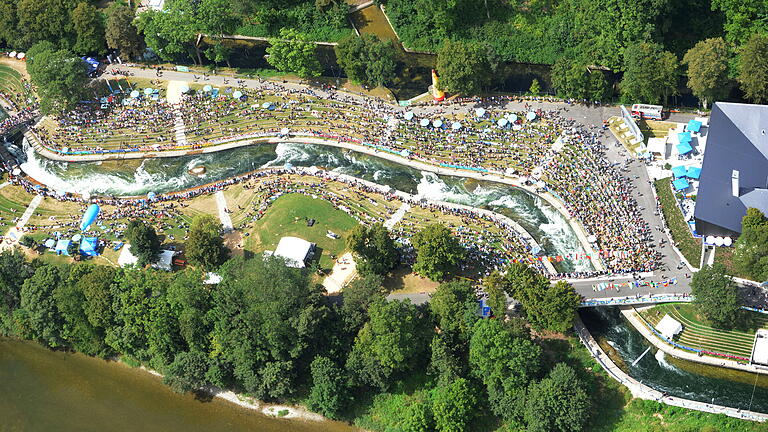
x=121 y=33
x=89 y=30
x=391 y=343
x=650 y=73
x=438 y=252
x=753 y=68
x=367 y=60
x=465 y=67
x=751 y=248
x=715 y=295
x=204 y=246
x=144 y=242
x=454 y=306
x=59 y=77
x=375 y=251
x=707 y=65
x=558 y=403
x=292 y=52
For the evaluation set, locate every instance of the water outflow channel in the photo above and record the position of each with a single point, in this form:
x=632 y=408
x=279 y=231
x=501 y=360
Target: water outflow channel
x=679 y=378
x=138 y=177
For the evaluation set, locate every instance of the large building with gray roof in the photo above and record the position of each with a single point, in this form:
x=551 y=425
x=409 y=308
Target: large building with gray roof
x=734 y=175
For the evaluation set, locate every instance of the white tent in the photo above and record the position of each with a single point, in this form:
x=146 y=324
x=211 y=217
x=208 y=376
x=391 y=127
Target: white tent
x=658 y=146
x=669 y=327
x=294 y=250
x=164 y=259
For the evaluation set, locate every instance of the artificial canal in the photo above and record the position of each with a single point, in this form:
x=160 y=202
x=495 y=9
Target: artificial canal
x=617 y=336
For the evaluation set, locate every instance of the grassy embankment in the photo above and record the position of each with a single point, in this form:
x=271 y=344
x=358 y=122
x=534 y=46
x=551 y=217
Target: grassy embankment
x=689 y=246
x=698 y=333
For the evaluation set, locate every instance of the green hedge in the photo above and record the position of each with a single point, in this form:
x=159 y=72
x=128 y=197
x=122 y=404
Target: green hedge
x=688 y=245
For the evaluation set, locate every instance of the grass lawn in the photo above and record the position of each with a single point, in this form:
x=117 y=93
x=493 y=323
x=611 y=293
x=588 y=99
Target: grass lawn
x=288 y=215
x=655 y=129
x=404 y=281
x=697 y=333
x=688 y=245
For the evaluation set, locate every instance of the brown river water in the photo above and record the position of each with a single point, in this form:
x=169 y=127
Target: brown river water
x=42 y=390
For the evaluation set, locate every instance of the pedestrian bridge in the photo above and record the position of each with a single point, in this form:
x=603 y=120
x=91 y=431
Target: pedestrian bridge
x=636 y=300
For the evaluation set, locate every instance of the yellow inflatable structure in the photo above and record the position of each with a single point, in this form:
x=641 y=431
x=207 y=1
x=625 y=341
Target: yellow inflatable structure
x=437 y=94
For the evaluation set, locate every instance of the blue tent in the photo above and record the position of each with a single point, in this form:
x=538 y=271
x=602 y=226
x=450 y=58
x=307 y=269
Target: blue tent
x=680 y=184
x=684 y=137
x=61 y=247
x=694 y=125
x=693 y=172
x=89 y=245
x=679 y=171
x=684 y=148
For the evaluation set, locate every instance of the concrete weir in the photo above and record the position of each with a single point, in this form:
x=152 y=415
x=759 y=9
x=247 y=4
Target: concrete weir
x=308 y=138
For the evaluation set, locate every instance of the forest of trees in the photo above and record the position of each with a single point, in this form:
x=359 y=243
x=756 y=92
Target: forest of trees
x=269 y=331
x=652 y=48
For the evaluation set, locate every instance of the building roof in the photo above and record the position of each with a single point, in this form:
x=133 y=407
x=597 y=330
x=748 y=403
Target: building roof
x=294 y=250
x=164 y=259
x=760 y=349
x=737 y=141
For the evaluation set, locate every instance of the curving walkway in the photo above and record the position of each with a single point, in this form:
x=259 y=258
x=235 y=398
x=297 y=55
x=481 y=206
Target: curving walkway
x=642 y=391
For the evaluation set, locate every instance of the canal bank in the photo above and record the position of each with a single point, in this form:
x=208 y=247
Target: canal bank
x=622 y=349
x=48 y=390
x=306 y=138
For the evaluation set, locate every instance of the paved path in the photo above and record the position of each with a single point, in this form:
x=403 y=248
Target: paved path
x=221 y=203
x=179 y=129
x=642 y=391
x=344 y=269
x=16 y=232
x=397 y=216
x=4 y=184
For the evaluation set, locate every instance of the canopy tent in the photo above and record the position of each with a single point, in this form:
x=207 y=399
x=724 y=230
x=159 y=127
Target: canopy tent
x=693 y=172
x=424 y=122
x=693 y=125
x=684 y=148
x=684 y=137
x=658 y=146
x=405 y=153
x=148 y=91
x=135 y=94
x=184 y=88
x=237 y=95
x=530 y=116
x=409 y=115
x=164 y=259
x=456 y=126
x=437 y=123
x=681 y=184
x=61 y=247
x=76 y=238
x=50 y=243
x=727 y=241
x=679 y=171
x=502 y=122
x=284 y=131
x=88 y=246
x=669 y=327
x=512 y=117
x=710 y=239
x=294 y=251
x=151 y=196
x=480 y=112
x=207 y=88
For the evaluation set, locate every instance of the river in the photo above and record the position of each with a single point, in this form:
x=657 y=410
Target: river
x=680 y=378
x=43 y=390
x=138 y=177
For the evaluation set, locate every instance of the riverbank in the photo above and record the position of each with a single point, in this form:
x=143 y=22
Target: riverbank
x=287 y=412
x=642 y=391
x=631 y=314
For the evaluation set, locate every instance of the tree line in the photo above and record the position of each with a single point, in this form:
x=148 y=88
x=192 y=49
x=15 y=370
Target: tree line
x=269 y=331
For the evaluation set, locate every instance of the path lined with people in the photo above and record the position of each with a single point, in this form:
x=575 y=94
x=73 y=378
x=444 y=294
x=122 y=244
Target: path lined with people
x=15 y=232
x=221 y=204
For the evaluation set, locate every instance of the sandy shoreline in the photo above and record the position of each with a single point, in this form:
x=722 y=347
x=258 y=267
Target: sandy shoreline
x=289 y=412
